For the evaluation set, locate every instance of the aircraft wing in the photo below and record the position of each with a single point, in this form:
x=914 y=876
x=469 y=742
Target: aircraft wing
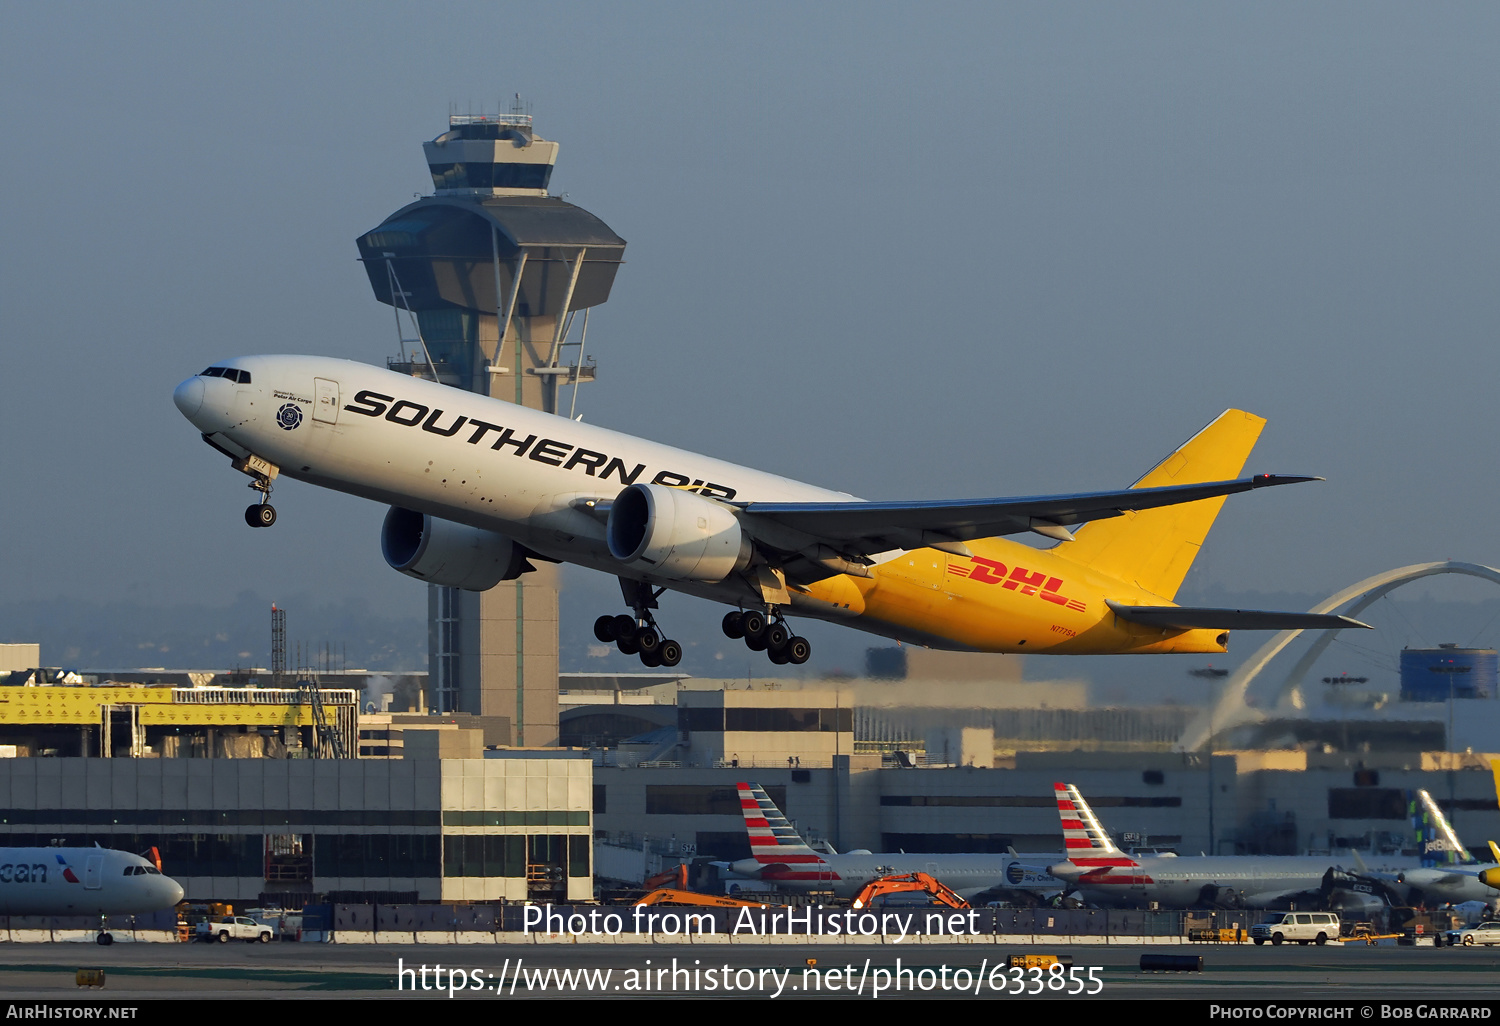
x=861 y=528
x=1185 y=618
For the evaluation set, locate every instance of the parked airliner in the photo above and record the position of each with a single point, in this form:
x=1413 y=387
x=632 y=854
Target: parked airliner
x=1448 y=872
x=1105 y=875
x=478 y=487
x=780 y=857
x=82 y=882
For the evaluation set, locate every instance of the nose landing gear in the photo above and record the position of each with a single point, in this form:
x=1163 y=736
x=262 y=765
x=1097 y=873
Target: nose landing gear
x=770 y=635
x=262 y=473
x=262 y=514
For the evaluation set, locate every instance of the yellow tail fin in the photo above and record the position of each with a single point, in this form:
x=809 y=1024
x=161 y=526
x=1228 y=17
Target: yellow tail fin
x=1154 y=548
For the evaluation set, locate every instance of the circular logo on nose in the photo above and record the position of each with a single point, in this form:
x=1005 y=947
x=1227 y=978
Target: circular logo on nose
x=289 y=416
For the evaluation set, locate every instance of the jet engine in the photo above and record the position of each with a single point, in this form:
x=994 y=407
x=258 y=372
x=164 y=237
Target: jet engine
x=676 y=535
x=454 y=555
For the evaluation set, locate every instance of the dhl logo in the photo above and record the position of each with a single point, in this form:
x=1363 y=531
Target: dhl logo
x=991 y=571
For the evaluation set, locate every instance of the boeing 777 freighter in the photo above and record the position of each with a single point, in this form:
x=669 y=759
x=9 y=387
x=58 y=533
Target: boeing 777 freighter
x=478 y=487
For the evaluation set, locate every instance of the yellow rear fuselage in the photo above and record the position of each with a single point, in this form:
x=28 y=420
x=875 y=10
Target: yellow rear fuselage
x=1005 y=597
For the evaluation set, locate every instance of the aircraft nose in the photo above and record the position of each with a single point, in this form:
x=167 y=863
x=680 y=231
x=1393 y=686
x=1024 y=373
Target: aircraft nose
x=189 y=397
x=174 y=890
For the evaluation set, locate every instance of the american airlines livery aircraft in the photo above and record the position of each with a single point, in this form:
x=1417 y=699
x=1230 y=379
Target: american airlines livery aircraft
x=781 y=858
x=478 y=487
x=1105 y=875
x=82 y=882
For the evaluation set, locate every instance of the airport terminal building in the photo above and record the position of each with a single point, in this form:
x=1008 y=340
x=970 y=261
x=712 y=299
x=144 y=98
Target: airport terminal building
x=514 y=826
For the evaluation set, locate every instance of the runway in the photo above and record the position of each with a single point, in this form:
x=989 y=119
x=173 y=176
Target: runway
x=1354 y=973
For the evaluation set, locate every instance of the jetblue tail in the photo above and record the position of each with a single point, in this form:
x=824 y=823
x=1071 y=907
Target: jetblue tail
x=1436 y=841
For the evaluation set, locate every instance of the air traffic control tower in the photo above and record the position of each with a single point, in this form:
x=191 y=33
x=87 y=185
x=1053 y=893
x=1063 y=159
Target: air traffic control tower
x=485 y=277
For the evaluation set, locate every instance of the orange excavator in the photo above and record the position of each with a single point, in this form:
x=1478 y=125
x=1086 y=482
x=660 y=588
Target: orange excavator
x=676 y=877
x=673 y=896
x=906 y=883
x=670 y=887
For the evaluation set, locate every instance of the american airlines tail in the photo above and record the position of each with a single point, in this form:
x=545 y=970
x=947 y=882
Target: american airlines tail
x=773 y=841
x=1154 y=548
x=1088 y=845
x=1438 y=844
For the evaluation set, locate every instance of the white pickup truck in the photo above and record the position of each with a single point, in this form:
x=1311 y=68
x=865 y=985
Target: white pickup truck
x=229 y=928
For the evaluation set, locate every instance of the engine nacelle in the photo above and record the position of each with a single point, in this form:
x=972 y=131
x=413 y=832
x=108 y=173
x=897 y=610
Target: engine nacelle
x=676 y=535
x=453 y=555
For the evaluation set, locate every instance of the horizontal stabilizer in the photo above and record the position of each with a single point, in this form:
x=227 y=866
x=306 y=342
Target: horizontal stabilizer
x=1187 y=618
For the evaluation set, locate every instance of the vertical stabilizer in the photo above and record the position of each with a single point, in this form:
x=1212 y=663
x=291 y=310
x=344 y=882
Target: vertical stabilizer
x=772 y=838
x=1436 y=841
x=1085 y=841
x=1154 y=548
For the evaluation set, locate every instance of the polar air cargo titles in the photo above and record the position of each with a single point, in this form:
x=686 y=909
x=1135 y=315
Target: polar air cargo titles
x=479 y=486
x=81 y=881
x=780 y=857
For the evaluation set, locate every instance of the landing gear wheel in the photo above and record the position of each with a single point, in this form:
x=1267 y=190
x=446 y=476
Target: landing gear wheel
x=647 y=640
x=652 y=658
x=670 y=653
x=777 y=636
x=756 y=642
x=105 y=939
x=626 y=644
x=777 y=656
x=797 y=650
x=734 y=625
x=752 y=623
x=262 y=514
x=604 y=629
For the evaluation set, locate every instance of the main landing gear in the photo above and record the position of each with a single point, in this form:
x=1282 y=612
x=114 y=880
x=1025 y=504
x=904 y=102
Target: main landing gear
x=767 y=634
x=639 y=634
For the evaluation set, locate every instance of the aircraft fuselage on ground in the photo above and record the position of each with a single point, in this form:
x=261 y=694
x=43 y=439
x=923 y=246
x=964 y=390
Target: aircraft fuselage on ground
x=81 y=881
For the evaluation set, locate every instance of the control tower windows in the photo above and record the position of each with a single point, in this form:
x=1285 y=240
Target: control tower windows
x=475 y=175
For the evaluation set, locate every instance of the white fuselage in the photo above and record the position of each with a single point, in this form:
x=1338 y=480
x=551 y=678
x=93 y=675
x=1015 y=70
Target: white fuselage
x=81 y=881
x=1255 y=881
x=460 y=456
x=966 y=874
x=1453 y=884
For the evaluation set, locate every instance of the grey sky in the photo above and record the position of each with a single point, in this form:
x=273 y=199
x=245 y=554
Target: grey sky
x=908 y=251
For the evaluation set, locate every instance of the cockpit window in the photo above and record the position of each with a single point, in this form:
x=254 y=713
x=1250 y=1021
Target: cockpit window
x=233 y=374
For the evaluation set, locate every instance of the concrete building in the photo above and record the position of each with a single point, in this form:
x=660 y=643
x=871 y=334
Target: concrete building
x=489 y=272
x=511 y=825
x=1277 y=803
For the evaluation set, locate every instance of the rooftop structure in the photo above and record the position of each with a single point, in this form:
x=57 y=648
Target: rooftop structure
x=485 y=277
